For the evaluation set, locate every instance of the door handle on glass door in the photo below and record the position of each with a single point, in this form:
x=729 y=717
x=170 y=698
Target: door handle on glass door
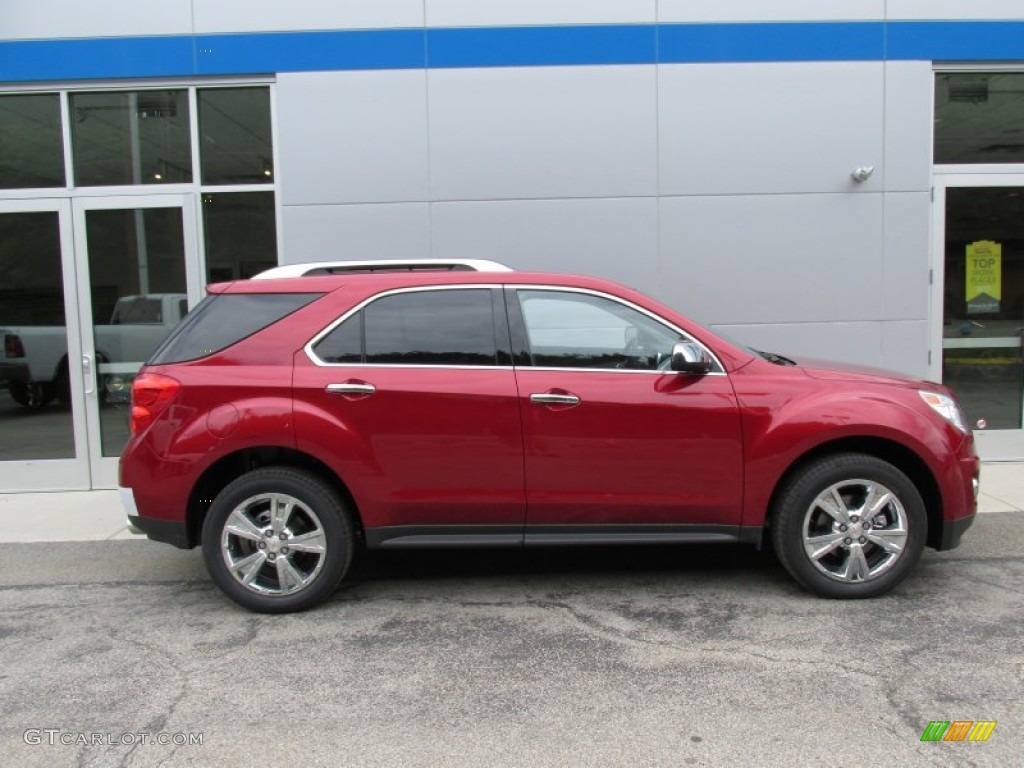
x=89 y=383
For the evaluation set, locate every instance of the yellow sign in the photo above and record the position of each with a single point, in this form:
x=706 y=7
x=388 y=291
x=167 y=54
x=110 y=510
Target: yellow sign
x=984 y=277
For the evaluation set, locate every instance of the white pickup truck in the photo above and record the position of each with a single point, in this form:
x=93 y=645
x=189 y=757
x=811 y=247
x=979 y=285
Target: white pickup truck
x=34 y=360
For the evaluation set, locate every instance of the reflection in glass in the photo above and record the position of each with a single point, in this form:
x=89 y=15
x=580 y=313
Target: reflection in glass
x=979 y=117
x=234 y=131
x=241 y=234
x=984 y=303
x=35 y=415
x=138 y=137
x=138 y=294
x=31 y=144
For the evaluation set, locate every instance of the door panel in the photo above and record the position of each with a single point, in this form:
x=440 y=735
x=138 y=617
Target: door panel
x=138 y=271
x=419 y=446
x=611 y=436
x=983 y=306
x=639 y=448
x=41 y=411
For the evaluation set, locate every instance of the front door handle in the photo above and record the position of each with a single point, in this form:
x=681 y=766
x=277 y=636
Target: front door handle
x=351 y=388
x=555 y=398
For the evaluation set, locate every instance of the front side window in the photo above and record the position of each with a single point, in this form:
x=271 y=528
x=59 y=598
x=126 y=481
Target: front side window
x=451 y=327
x=577 y=330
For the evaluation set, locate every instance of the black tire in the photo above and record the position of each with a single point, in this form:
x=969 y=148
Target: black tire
x=32 y=395
x=806 y=519
x=318 y=516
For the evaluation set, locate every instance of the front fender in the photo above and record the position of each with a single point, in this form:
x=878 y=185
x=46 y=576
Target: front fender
x=777 y=438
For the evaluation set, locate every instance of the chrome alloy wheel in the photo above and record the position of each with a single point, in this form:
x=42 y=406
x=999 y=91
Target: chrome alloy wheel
x=273 y=544
x=855 y=530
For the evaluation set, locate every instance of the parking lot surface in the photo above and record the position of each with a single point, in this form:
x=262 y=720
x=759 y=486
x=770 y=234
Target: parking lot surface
x=674 y=656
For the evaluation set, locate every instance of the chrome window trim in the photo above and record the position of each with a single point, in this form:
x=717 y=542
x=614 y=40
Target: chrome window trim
x=308 y=348
x=719 y=368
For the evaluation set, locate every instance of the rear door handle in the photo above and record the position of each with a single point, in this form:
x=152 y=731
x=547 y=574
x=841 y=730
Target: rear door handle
x=351 y=387
x=555 y=398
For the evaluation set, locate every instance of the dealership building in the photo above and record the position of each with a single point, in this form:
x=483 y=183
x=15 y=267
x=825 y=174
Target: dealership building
x=839 y=179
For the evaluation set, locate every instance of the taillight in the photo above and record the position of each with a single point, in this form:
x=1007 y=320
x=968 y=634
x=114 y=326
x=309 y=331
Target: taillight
x=13 y=346
x=151 y=394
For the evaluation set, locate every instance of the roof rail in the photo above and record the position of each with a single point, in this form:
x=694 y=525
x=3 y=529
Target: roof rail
x=382 y=265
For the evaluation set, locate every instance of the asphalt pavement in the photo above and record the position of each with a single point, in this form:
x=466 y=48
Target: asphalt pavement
x=671 y=656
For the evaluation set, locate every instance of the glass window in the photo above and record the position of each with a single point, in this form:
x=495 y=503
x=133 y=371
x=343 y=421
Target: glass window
x=453 y=327
x=234 y=131
x=137 y=137
x=983 y=360
x=240 y=234
x=576 y=330
x=221 y=320
x=979 y=117
x=35 y=411
x=344 y=344
x=31 y=145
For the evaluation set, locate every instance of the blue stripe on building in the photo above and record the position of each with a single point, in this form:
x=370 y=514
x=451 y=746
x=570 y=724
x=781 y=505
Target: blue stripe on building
x=270 y=52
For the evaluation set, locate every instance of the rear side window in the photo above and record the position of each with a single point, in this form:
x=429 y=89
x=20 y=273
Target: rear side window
x=221 y=320
x=451 y=327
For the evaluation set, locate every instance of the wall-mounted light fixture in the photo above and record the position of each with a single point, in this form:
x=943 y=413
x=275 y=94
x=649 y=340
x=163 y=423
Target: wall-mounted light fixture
x=863 y=173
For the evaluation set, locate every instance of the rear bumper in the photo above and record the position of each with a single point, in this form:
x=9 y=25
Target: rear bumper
x=14 y=372
x=164 y=531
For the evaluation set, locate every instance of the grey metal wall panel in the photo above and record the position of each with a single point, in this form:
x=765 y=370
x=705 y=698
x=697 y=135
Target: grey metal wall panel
x=909 y=123
x=470 y=13
x=376 y=231
x=262 y=15
x=772 y=258
x=858 y=343
x=904 y=283
x=349 y=137
x=955 y=9
x=777 y=10
x=25 y=19
x=905 y=347
x=743 y=128
x=613 y=238
x=542 y=132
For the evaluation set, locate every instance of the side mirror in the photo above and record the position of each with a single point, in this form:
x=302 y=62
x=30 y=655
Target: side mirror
x=690 y=357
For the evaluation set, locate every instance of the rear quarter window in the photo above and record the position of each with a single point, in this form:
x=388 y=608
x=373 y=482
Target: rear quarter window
x=222 y=320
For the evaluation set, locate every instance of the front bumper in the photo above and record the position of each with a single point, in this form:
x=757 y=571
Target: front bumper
x=952 y=530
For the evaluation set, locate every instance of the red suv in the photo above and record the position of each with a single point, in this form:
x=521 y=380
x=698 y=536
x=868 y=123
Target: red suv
x=293 y=417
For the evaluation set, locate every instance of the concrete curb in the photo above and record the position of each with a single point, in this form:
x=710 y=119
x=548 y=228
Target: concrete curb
x=98 y=515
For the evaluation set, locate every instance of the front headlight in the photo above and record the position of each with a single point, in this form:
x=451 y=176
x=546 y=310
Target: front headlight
x=947 y=408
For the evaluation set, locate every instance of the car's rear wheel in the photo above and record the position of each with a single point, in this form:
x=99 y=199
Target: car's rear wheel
x=277 y=540
x=849 y=526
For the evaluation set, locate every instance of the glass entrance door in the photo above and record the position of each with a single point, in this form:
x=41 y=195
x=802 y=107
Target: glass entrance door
x=137 y=272
x=982 y=222
x=42 y=420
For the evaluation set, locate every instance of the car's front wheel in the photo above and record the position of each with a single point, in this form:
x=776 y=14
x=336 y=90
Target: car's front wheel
x=277 y=540
x=849 y=526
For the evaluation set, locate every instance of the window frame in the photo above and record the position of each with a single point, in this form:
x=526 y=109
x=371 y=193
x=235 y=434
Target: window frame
x=503 y=357
x=521 y=345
